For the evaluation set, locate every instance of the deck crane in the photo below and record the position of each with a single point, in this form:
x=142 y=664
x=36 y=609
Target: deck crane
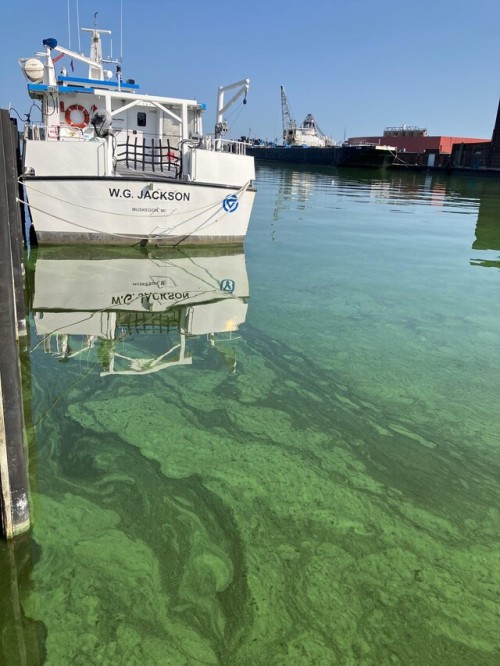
x=220 y=124
x=289 y=124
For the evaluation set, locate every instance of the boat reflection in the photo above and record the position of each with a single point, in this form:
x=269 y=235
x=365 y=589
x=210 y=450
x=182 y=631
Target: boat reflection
x=134 y=312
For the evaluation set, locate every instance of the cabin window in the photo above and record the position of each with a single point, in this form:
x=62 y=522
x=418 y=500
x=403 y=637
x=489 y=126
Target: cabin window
x=141 y=119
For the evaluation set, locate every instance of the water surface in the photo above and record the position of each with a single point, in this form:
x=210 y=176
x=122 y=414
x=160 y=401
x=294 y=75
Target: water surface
x=288 y=455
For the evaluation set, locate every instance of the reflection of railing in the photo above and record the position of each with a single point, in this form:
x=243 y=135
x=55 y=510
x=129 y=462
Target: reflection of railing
x=148 y=155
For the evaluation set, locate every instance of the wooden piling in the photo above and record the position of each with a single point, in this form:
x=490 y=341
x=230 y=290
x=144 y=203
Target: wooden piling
x=10 y=136
x=14 y=507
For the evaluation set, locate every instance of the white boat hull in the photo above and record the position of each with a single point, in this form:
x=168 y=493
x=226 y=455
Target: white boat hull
x=127 y=211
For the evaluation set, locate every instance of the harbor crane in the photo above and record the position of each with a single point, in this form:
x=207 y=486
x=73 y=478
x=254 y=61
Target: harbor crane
x=308 y=133
x=286 y=115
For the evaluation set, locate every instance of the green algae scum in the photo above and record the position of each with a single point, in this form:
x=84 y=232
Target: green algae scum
x=291 y=461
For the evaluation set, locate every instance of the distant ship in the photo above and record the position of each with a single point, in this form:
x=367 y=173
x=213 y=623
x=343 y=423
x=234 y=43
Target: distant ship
x=306 y=144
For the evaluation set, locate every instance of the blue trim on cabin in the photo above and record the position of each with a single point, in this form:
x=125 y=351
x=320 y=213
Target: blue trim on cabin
x=98 y=82
x=41 y=87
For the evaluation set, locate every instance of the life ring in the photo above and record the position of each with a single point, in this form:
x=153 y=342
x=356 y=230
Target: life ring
x=82 y=110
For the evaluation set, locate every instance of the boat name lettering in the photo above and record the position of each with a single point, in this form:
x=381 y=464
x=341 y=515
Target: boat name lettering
x=161 y=195
x=126 y=299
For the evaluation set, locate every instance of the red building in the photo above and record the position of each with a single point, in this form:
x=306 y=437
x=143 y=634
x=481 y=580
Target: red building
x=414 y=140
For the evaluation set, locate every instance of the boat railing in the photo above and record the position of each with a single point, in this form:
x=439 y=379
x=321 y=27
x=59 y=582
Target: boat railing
x=152 y=155
x=142 y=154
x=39 y=132
x=224 y=145
x=35 y=131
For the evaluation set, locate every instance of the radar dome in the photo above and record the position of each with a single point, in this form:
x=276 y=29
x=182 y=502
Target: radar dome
x=33 y=70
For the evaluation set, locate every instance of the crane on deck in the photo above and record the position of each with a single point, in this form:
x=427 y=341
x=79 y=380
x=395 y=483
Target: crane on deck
x=286 y=115
x=308 y=134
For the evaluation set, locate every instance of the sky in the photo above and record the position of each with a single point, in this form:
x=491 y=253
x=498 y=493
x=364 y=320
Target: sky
x=357 y=65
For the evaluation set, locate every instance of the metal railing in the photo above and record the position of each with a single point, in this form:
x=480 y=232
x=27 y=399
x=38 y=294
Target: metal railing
x=224 y=145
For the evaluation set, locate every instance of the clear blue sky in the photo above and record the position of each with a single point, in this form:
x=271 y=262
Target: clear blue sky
x=356 y=65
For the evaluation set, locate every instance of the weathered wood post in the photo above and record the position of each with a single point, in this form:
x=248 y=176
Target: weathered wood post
x=14 y=509
x=10 y=151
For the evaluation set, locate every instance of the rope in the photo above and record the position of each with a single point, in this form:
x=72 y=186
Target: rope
x=398 y=159
x=208 y=223
x=95 y=210
x=153 y=235
x=81 y=226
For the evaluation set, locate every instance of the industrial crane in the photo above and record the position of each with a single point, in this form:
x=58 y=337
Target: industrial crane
x=289 y=124
x=307 y=134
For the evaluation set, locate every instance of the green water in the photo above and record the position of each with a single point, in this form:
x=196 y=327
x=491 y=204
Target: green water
x=315 y=484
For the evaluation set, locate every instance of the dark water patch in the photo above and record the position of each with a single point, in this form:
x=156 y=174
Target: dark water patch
x=190 y=534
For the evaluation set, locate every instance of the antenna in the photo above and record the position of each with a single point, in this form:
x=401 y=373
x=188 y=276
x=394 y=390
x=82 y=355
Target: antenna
x=69 y=29
x=78 y=24
x=121 y=30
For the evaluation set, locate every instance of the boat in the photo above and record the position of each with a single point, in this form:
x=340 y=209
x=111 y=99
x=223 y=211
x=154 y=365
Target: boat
x=307 y=144
x=361 y=156
x=138 y=310
x=108 y=164
x=307 y=135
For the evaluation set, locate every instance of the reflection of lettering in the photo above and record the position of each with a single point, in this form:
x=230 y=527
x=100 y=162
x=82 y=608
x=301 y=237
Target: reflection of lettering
x=126 y=299
x=227 y=285
x=156 y=282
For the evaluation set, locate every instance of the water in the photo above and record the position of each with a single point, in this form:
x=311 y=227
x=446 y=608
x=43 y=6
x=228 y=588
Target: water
x=305 y=476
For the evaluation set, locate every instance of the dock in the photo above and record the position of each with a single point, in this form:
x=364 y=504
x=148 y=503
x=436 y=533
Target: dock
x=14 y=484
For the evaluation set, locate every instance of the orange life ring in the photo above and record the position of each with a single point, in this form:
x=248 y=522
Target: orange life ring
x=82 y=110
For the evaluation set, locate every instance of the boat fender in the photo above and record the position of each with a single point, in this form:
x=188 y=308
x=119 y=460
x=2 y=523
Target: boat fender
x=82 y=110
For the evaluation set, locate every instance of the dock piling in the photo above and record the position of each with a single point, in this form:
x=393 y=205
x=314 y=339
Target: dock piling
x=14 y=505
